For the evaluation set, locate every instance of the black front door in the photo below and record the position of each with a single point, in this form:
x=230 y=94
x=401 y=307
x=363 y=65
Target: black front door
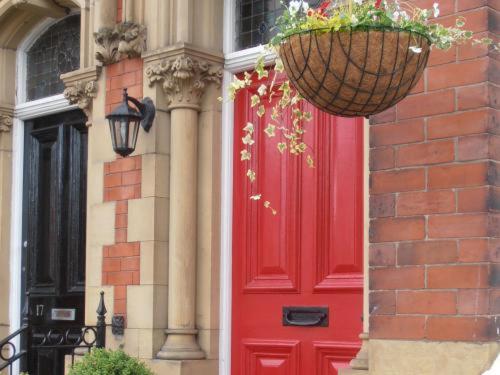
x=55 y=181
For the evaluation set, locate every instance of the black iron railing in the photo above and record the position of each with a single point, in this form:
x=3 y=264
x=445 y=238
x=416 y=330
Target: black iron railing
x=8 y=349
x=29 y=339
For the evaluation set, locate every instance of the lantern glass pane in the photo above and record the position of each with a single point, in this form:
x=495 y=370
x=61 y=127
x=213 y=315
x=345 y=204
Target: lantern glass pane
x=112 y=131
x=122 y=130
x=134 y=131
x=115 y=133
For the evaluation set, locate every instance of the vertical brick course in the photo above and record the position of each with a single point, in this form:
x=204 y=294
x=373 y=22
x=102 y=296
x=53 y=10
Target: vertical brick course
x=122 y=182
x=435 y=196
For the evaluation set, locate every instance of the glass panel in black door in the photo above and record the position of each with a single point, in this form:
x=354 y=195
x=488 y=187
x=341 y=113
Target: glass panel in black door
x=55 y=180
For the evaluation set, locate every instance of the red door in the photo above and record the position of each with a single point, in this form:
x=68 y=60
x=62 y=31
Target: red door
x=308 y=255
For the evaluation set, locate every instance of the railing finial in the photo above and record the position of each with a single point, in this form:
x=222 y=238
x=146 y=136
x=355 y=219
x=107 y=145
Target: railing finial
x=100 y=341
x=101 y=309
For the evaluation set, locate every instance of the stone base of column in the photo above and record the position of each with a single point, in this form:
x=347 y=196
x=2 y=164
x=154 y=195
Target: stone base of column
x=181 y=344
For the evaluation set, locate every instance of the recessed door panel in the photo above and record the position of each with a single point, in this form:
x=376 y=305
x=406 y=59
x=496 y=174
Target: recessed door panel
x=270 y=357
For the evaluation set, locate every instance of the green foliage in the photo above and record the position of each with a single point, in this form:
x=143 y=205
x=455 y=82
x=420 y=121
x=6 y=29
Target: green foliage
x=108 y=362
x=361 y=15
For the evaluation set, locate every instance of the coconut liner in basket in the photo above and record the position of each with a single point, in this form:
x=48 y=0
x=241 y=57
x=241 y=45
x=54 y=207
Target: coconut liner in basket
x=354 y=72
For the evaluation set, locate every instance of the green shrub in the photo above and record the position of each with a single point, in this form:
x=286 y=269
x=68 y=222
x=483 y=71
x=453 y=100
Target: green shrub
x=108 y=362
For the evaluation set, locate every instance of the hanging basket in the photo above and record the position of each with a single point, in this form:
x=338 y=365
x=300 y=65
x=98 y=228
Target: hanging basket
x=354 y=72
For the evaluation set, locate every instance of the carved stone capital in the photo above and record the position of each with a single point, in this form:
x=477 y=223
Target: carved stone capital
x=126 y=39
x=184 y=79
x=81 y=88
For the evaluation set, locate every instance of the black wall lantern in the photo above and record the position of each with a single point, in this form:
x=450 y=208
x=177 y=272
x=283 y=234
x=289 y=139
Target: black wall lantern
x=124 y=123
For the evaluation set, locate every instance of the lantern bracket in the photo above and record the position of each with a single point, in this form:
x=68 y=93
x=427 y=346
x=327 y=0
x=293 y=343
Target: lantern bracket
x=147 y=110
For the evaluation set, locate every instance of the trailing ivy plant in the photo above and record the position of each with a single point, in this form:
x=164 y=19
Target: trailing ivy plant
x=329 y=16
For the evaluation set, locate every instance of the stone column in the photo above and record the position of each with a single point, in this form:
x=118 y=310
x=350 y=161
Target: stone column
x=184 y=79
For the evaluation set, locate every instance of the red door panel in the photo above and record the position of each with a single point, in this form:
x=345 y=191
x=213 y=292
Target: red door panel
x=308 y=255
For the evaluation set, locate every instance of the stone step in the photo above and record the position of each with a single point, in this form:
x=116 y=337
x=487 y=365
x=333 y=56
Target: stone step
x=350 y=371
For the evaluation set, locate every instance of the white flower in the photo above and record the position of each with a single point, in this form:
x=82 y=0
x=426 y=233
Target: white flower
x=294 y=6
x=359 y=2
x=415 y=49
x=436 y=9
x=405 y=15
x=354 y=19
x=395 y=16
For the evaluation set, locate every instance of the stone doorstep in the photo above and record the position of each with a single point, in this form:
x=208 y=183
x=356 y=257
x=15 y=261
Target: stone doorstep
x=190 y=367
x=350 y=371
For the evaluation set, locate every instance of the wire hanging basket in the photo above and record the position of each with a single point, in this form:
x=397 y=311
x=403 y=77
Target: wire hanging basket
x=355 y=72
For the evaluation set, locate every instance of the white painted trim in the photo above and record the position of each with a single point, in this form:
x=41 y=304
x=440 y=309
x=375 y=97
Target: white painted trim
x=43 y=107
x=16 y=230
x=240 y=61
x=225 y=309
x=226 y=232
x=235 y=62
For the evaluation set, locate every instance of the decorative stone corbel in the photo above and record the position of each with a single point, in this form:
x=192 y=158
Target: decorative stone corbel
x=106 y=40
x=81 y=88
x=5 y=122
x=184 y=79
x=6 y=117
x=82 y=93
x=132 y=39
x=126 y=39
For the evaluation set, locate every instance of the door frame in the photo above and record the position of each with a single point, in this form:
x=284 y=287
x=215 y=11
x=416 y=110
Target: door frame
x=234 y=62
x=23 y=111
x=237 y=62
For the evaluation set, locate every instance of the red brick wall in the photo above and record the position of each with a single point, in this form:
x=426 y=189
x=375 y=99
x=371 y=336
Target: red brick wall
x=122 y=182
x=434 y=197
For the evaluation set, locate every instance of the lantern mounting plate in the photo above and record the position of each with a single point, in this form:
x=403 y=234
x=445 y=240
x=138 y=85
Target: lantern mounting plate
x=147 y=110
